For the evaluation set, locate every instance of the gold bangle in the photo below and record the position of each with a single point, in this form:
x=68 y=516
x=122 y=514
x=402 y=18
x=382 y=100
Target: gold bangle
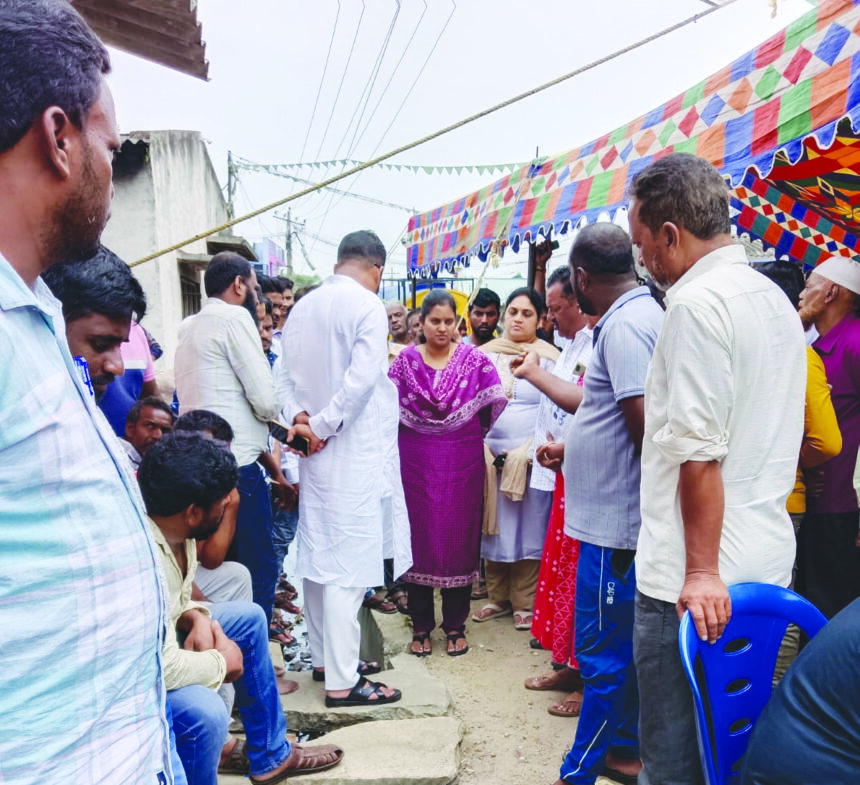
x=540 y=269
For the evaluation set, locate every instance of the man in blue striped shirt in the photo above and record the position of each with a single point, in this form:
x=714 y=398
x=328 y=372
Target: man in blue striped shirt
x=81 y=604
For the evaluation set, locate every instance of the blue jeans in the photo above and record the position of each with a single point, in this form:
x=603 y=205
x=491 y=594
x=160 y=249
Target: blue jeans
x=199 y=723
x=179 y=777
x=284 y=524
x=670 y=751
x=605 y=591
x=256 y=690
x=252 y=543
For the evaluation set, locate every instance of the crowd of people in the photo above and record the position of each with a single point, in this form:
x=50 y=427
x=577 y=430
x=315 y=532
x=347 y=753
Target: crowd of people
x=619 y=454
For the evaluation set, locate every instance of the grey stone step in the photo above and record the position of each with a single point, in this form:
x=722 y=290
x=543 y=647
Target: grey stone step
x=423 y=696
x=390 y=752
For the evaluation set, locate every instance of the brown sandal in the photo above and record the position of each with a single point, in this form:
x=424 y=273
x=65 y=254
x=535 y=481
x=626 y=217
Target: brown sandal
x=571 y=706
x=237 y=760
x=303 y=760
x=554 y=681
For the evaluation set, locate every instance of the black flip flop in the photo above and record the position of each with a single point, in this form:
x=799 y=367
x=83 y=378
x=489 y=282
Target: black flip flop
x=364 y=669
x=362 y=694
x=422 y=638
x=453 y=637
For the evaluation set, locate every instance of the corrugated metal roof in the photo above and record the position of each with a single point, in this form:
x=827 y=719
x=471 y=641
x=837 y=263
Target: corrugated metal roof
x=163 y=31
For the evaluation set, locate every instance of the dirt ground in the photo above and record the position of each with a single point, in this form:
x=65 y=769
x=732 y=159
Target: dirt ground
x=509 y=738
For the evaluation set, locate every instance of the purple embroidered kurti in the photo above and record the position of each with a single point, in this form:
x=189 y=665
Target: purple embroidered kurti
x=444 y=415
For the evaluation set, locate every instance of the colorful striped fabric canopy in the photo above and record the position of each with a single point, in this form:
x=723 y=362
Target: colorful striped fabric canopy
x=778 y=123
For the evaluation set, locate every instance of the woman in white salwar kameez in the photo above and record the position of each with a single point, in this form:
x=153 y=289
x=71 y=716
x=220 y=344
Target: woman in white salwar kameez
x=516 y=515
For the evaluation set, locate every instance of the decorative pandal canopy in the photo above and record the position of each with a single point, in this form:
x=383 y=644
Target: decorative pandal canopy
x=779 y=122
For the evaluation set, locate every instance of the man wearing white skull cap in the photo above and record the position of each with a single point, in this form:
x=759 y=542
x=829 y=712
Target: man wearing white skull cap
x=828 y=558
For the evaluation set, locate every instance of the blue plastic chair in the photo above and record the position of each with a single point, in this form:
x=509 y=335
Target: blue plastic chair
x=732 y=678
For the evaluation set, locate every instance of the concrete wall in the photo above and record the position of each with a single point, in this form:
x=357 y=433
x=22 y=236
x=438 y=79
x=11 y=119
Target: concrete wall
x=171 y=195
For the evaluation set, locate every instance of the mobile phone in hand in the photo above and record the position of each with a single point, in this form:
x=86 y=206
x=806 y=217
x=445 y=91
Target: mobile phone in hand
x=300 y=444
x=281 y=432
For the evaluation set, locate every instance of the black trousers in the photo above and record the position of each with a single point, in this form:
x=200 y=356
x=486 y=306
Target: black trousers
x=455 y=607
x=828 y=560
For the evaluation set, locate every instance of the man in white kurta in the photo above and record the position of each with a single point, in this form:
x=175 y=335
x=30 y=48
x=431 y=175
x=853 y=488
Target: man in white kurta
x=334 y=389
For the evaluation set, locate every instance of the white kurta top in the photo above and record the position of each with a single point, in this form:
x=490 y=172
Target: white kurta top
x=335 y=367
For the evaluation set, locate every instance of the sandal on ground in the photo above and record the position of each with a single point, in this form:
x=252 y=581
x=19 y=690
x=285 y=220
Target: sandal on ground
x=479 y=593
x=303 y=760
x=364 y=693
x=523 y=620
x=400 y=599
x=492 y=611
x=571 y=706
x=282 y=602
x=286 y=588
x=364 y=669
x=380 y=604
x=534 y=643
x=278 y=634
x=554 y=681
x=422 y=638
x=237 y=760
x=453 y=637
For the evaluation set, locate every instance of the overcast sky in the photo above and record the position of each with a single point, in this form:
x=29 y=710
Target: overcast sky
x=267 y=59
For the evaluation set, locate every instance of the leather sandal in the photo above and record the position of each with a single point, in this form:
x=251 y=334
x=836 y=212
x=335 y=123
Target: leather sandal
x=400 y=599
x=237 y=760
x=379 y=604
x=557 y=680
x=287 y=604
x=364 y=693
x=303 y=760
x=364 y=669
x=571 y=706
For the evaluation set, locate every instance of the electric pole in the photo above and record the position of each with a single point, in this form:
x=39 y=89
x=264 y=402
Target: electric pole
x=289 y=243
x=231 y=184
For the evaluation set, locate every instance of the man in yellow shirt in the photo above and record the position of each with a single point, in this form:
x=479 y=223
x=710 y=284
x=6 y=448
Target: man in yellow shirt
x=186 y=481
x=821 y=437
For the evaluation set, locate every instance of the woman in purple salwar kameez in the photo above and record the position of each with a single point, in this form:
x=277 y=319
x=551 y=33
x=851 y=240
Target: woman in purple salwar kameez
x=450 y=394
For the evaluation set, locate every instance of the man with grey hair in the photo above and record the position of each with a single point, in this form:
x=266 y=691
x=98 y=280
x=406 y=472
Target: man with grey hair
x=335 y=392
x=828 y=559
x=81 y=684
x=723 y=425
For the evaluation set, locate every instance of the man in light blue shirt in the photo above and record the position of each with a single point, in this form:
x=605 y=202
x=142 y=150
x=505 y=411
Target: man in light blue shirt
x=81 y=606
x=601 y=477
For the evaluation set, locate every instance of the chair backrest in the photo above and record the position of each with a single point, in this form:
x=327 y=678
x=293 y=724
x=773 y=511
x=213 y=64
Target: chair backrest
x=732 y=678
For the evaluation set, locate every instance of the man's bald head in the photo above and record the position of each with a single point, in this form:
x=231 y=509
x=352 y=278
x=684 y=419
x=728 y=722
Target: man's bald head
x=603 y=249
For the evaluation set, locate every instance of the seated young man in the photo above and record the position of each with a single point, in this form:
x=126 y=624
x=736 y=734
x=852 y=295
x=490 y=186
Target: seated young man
x=186 y=480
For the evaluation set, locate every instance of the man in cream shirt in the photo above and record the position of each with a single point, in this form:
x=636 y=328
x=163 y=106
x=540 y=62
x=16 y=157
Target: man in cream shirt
x=723 y=424
x=220 y=367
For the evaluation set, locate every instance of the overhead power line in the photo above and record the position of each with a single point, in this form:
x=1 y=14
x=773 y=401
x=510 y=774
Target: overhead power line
x=332 y=203
x=420 y=72
x=342 y=77
x=362 y=197
x=391 y=78
x=435 y=135
x=322 y=79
